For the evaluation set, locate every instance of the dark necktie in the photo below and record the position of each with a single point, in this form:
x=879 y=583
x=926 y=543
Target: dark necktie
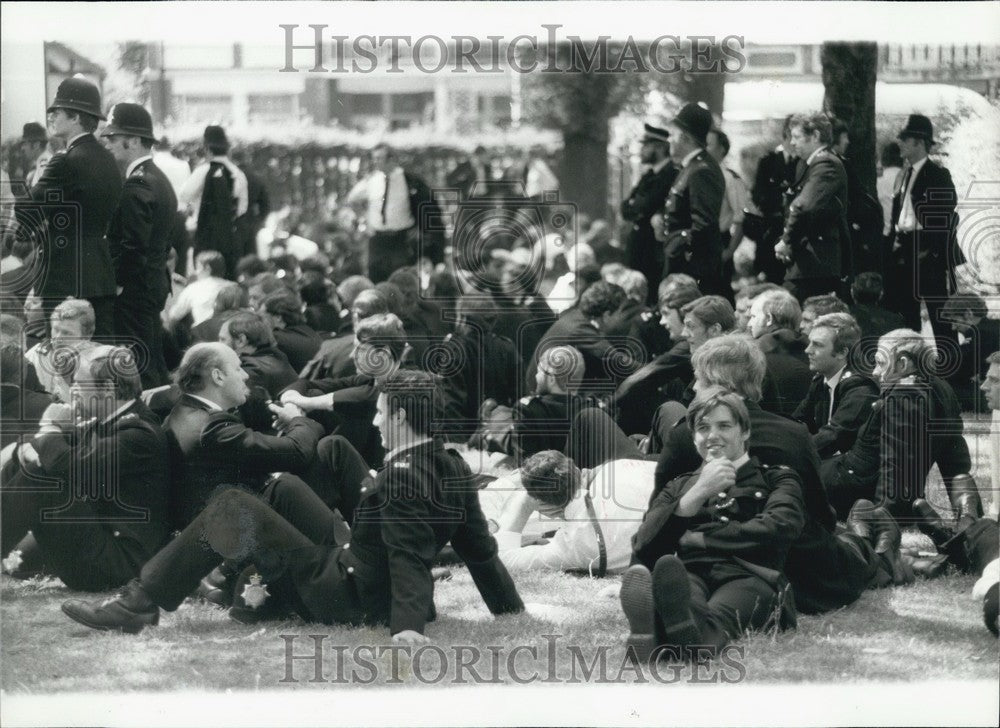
x=824 y=405
x=385 y=199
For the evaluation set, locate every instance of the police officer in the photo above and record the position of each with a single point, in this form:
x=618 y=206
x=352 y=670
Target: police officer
x=78 y=194
x=646 y=199
x=693 y=245
x=140 y=238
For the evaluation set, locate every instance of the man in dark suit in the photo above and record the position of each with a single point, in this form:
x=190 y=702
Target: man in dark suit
x=108 y=454
x=542 y=420
x=417 y=503
x=692 y=243
x=925 y=249
x=140 y=237
x=473 y=176
x=829 y=566
x=775 y=175
x=980 y=337
x=774 y=323
x=292 y=335
x=78 y=194
x=840 y=399
x=643 y=252
x=815 y=244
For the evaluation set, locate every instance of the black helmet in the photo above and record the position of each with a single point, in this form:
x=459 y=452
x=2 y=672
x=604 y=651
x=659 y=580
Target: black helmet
x=78 y=94
x=131 y=119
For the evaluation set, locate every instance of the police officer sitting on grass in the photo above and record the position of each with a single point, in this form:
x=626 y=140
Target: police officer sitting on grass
x=415 y=505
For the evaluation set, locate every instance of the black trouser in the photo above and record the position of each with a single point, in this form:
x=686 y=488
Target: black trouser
x=726 y=600
x=235 y=525
x=137 y=325
x=388 y=251
x=336 y=475
x=844 y=485
x=667 y=416
x=595 y=439
x=982 y=544
x=79 y=549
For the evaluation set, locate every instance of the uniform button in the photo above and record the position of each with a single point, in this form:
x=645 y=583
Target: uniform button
x=850 y=471
x=117 y=534
x=350 y=569
x=722 y=495
x=347 y=546
x=724 y=519
x=758 y=494
x=364 y=488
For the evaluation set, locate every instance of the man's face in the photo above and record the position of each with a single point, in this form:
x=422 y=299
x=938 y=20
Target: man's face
x=236 y=343
x=911 y=149
x=714 y=148
x=823 y=359
x=120 y=147
x=60 y=124
x=234 y=380
x=889 y=368
x=758 y=323
x=742 y=313
x=695 y=332
x=803 y=144
x=670 y=319
x=843 y=141
x=807 y=320
x=718 y=435
x=66 y=331
x=649 y=153
x=991 y=387
x=387 y=424
x=91 y=398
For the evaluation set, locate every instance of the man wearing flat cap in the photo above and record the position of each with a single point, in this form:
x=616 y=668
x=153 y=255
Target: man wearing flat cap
x=77 y=194
x=925 y=249
x=140 y=238
x=693 y=245
x=644 y=253
x=216 y=193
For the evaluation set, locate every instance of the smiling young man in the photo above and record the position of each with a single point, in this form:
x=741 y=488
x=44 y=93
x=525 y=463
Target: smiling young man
x=839 y=398
x=417 y=503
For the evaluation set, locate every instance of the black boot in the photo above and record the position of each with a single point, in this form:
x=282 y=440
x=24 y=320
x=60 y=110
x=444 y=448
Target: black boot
x=217 y=587
x=253 y=601
x=128 y=612
x=637 y=602
x=965 y=501
x=858 y=519
x=887 y=540
x=930 y=523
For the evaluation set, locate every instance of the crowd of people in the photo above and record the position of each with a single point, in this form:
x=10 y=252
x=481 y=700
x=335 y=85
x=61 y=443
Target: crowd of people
x=278 y=439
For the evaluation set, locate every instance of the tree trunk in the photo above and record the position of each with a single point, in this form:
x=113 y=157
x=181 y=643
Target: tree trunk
x=849 y=71
x=583 y=174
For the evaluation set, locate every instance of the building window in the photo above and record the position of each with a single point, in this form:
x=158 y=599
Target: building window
x=364 y=104
x=271 y=108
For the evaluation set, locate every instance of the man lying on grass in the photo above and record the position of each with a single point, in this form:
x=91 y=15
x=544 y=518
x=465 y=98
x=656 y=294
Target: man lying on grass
x=713 y=544
x=597 y=512
x=421 y=500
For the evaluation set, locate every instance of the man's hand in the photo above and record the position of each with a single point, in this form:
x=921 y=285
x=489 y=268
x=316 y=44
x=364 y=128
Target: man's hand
x=717 y=476
x=284 y=414
x=290 y=396
x=409 y=637
x=28 y=456
x=55 y=417
x=516 y=511
x=783 y=252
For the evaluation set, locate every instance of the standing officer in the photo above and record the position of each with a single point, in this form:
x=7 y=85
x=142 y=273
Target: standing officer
x=925 y=250
x=140 y=237
x=816 y=242
x=694 y=204
x=78 y=194
x=647 y=198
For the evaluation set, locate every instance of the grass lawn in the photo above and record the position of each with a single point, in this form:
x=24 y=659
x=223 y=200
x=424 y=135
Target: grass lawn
x=929 y=631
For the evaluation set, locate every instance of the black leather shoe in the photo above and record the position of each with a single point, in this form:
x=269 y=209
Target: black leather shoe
x=858 y=520
x=930 y=523
x=636 y=596
x=964 y=496
x=672 y=599
x=128 y=612
x=887 y=539
x=217 y=588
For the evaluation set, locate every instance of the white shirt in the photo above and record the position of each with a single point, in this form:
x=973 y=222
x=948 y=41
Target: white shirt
x=176 y=170
x=211 y=405
x=539 y=179
x=372 y=190
x=620 y=491
x=191 y=191
x=197 y=299
x=831 y=384
x=403 y=448
x=885 y=186
x=812 y=156
x=907 y=218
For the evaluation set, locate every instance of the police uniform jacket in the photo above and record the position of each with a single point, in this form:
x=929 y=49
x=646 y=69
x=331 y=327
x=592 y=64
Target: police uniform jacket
x=647 y=330
x=541 y=422
x=121 y=464
x=524 y=320
x=646 y=199
x=934 y=201
x=921 y=425
x=574 y=329
x=268 y=368
x=693 y=206
x=788 y=368
x=755 y=521
x=140 y=235
x=663 y=379
x=422 y=499
x=213 y=449
x=299 y=343
x=78 y=194
x=816 y=225
x=852 y=403
x=775 y=175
